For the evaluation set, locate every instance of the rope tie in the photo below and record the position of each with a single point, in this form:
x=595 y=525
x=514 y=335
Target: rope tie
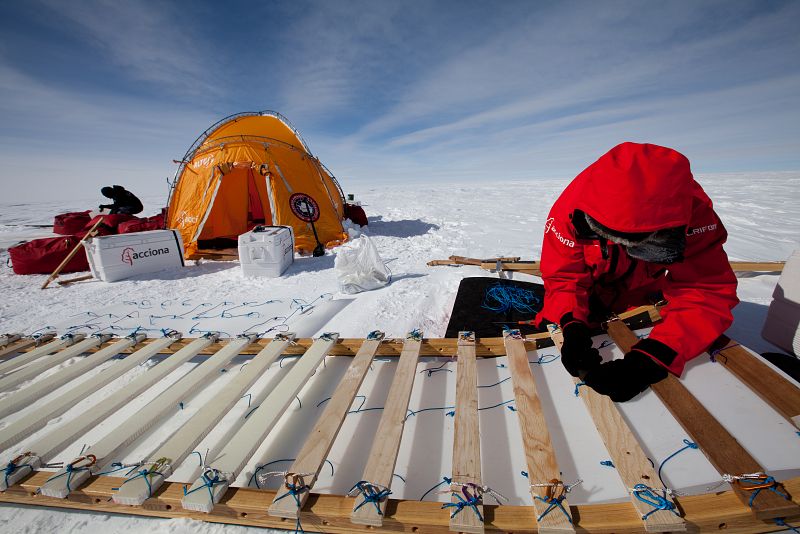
x=283 y=337
x=472 y=497
x=514 y=333
x=15 y=464
x=577 y=388
x=648 y=495
x=295 y=485
x=556 y=493
x=211 y=477
x=415 y=334
x=82 y=463
x=372 y=493
x=756 y=482
x=119 y=466
x=782 y=523
x=147 y=474
x=376 y=335
x=713 y=354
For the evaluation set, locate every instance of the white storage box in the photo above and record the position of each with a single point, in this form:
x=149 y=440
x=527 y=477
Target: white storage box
x=116 y=257
x=782 y=327
x=266 y=251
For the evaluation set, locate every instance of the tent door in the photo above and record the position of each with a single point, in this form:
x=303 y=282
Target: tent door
x=255 y=208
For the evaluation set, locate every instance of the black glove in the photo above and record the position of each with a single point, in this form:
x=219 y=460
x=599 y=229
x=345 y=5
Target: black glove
x=623 y=379
x=577 y=353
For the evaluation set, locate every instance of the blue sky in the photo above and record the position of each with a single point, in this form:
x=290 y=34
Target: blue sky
x=101 y=92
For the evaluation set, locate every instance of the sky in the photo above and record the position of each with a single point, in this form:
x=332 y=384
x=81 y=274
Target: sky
x=100 y=92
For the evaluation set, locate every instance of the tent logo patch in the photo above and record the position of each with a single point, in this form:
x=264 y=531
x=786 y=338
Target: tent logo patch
x=304 y=207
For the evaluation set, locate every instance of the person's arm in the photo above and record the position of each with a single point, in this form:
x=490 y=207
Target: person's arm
x=700 y=294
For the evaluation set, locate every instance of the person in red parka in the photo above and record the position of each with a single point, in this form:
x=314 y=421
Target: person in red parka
x=632 y=229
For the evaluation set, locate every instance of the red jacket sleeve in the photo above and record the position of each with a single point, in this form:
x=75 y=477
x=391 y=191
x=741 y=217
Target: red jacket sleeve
x=701 y=292
x=566 y=277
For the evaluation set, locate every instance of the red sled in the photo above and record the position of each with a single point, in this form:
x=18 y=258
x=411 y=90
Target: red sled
x=110 y=223
x=43 y=256
x=156 y=222
x=70 y=223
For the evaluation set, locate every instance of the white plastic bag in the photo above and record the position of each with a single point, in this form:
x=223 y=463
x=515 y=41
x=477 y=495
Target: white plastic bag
x=359 y=267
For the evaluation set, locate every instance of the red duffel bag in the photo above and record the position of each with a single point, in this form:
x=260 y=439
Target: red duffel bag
x=70 y=223
x=356 y=214
x=110 y=223
x=156 y=222
x=42 y=256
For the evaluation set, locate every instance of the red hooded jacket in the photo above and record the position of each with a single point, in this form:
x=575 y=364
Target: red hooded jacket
x=641 y=188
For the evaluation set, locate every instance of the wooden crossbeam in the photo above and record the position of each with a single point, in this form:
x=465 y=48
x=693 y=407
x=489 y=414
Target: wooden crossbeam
x=44 y=448
x=8 y=339
x=320 y=440
x=383 y=455
x=713 y=512
x=466 y=439
x=39 y=351
x=229 y=462
x=539 y=452
x=20 y=399
x=724 y=452
x=111 y=445
x=160 y=463
x=772 y=387
x=38 y=418
x=35 y=369
x=439 y=347
x=9 y=350
x=627 y=455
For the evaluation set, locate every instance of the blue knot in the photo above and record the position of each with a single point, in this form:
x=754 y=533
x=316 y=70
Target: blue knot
x=210 y=477
x=451 y=413
x=471 y=501
x=552 y=504
x=11 y=468
x=511 y=408
x=578 y=385
x=648 y=495
x=371 y=493
x=607 y=463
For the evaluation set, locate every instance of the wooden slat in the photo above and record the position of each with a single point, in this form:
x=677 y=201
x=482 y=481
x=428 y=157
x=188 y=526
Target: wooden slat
x=38 y=418
x=109 y=447
x=723 y=451
x=8 y=351
x=35 y=369
x=37 y=352
x=539 y=453
x=383 y=455
x=240 y=448
x=320 y=440
x=772 y=387
x=466 y=439
x=23 y=398
x=713 y=512
x=627 y=455
x=61 y=436
x=171 y=453
x=533 y=267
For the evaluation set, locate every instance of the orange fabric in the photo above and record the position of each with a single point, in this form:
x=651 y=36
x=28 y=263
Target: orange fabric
x=214 y=197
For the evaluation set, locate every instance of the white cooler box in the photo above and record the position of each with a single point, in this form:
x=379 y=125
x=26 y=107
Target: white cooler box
x=782 y=327
x=116 y=257
x=266 y=251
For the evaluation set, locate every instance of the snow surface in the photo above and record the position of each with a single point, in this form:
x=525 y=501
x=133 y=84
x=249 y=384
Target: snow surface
x=410 y=225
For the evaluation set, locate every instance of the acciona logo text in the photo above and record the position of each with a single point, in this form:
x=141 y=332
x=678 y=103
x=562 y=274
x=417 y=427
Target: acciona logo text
x=129 y=255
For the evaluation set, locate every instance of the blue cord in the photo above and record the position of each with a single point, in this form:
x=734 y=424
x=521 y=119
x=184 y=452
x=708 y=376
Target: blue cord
x=553 y=503
x=500 y=298
x=647 y=495
x=688 y=445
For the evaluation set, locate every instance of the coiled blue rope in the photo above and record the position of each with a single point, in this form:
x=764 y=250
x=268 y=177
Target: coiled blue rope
x=500 y=298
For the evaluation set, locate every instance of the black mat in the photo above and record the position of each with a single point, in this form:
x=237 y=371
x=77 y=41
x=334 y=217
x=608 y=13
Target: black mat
x=470 y=311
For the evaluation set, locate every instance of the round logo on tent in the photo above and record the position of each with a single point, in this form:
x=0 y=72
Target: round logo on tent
x=304 y=207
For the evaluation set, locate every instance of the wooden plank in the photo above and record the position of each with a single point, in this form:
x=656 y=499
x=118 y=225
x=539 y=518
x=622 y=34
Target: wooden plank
x=109 y=447
x=26 y=373
x=39 y=351
x=38 y=418
x=533 y=267
x=627 y=455
x=383 y=455
x=8 y=339
x=713 y=512
x=466 y=439
x=240 y=448
x=320 y=440
x=723 y=451
x=758 y=266
x=21 y=399
x=43 y=449
x=772 y=387
x=539 y=453
x=159 y=465
x=10 y=349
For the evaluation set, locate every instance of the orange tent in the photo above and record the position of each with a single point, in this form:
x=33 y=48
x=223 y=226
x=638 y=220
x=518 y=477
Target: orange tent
x=250 y=169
